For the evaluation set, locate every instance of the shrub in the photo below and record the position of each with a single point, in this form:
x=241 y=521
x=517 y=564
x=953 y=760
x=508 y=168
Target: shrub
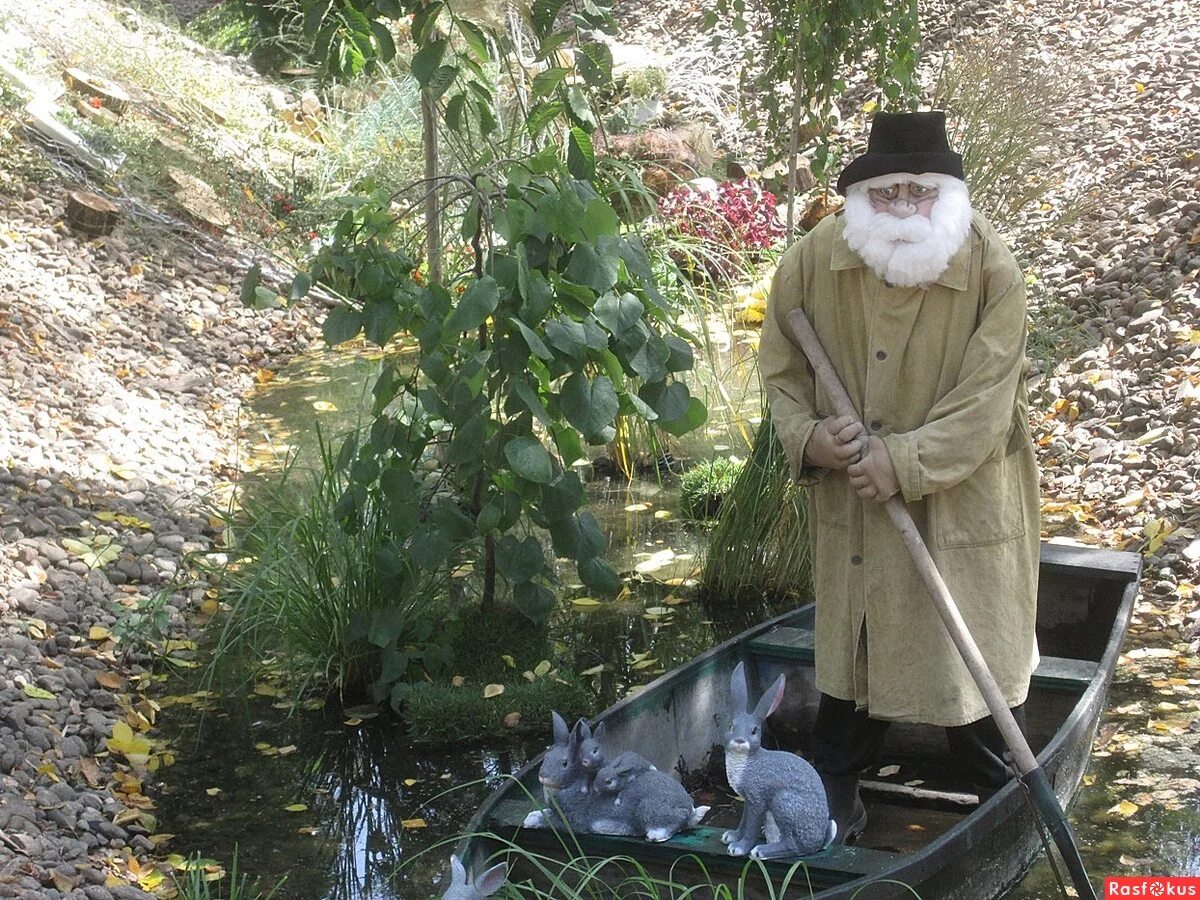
x=703 y=487
x=1003 y=103
x=732 y=223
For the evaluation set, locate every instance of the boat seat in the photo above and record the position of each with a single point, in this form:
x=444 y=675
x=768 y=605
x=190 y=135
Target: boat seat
x=833 y=865
x=1053 y=672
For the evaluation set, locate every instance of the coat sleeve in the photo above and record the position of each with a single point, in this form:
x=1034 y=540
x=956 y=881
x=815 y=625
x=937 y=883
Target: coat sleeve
x=974 y=418
x=788 y=382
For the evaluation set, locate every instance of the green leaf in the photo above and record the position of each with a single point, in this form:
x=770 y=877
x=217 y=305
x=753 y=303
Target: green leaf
x=650 y=361
x=535 y=343
x=581 y=156
x=519 y=560
x=529 y=459
x=301 y=285
x=475 y=38
x=599 y=218
x=541 y=116
x=589 y=268
x=529 y=396
x=467 y=445
x=546 y=82
x=619 y=314
x=599 y=577
x=454 y=118
x=429 y=549
x=566 y=439
x=475 y=305
x=681 y=358
x=670 y=401
x=426 y=61
x=381 y=320
x=35 y=692
x=594 y=61
x=591 y=406
x=543 y=13
x=562 y=497
x=252 y=281
x=534 y=601
x=385 y=47
x=567 y=336
x=425 y=21
x=342 y=324
x=441 y=80
x=693 y=417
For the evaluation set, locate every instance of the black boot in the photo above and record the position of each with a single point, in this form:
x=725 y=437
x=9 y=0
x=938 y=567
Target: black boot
x=845 y=807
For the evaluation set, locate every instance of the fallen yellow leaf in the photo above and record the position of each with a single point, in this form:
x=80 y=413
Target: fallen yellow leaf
x=492 y=690
x=414 y=823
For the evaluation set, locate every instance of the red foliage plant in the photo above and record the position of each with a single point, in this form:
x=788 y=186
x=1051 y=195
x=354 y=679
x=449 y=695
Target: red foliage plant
x=736 y=221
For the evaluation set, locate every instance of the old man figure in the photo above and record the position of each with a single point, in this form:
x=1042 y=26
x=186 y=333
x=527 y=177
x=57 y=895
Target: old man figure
x=921 y=307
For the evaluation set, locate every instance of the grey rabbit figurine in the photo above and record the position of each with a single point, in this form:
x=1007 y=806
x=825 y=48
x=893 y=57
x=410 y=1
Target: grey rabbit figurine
x=591 y=751
x=564 y=782
x=634 y=798
x=782 y=792
x=463 y=888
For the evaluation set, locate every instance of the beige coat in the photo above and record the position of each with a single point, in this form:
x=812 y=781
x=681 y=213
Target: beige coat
x=938 y=374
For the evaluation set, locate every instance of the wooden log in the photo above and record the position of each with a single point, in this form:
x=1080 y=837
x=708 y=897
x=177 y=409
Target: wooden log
x=101 y=113
x=111 y=94
x=91 y=214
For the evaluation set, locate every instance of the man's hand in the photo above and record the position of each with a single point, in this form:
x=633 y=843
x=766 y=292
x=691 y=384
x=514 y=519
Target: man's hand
x=874 y=478
x=835 y=443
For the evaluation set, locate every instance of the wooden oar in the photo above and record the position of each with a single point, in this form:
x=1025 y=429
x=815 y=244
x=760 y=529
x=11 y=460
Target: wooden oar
x=1032 y=774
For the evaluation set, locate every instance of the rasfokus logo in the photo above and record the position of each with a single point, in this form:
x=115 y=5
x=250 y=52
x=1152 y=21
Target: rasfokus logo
x=1151 y=886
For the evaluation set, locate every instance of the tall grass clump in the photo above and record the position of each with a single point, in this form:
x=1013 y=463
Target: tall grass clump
x=759 y=547
x=311 y=592
x=1004 y=106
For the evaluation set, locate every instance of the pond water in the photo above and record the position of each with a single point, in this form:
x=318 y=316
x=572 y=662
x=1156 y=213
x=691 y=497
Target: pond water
x=323 y=808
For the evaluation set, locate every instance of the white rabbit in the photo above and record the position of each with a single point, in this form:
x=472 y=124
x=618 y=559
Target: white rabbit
x=634 y=798
x=564 y=782
x=463 y=888
x=782 y=792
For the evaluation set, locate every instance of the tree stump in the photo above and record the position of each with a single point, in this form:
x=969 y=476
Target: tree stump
x=91 y=214
x=110 y=94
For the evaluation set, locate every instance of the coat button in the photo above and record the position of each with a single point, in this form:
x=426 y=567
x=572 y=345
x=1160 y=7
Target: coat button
x=856 y=560
x=881 y=355
x=876 y=425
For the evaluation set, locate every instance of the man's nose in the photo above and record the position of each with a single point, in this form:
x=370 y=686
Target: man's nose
x=902 y=209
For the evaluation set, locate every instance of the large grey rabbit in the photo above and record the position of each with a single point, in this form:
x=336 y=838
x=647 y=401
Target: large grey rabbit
x=781 y=791
x=564 y=781
x=631 y=797
x=591 y=750
x=463 y=888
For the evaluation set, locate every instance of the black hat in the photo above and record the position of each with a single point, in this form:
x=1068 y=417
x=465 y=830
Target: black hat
x=904 y=142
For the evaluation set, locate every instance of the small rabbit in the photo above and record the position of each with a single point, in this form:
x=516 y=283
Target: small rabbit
x=591 y=751
x=564 y=782
x=463 y=888
x=634 y=798
x=782 y=792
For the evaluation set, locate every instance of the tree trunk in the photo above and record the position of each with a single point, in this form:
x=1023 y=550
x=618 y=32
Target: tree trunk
x=91 y=214
x=793 y=145
x=433 y=205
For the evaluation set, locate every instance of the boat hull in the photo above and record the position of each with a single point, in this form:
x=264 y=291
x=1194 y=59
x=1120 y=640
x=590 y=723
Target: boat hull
x=940 y=844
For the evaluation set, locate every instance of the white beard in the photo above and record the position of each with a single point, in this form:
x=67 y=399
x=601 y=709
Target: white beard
x=913 y=251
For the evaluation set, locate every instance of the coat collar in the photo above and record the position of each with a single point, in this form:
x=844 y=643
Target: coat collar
x=956 y=276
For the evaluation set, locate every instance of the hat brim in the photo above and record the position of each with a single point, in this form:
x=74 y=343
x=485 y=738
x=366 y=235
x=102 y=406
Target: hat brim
x=872 y=165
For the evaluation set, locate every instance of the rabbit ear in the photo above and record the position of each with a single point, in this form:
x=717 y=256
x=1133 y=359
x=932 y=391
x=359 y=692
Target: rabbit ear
x=585 y=733
x=769 y=702
x=458 y=872
x=561 y=733
x=737 y=688
x=598 y=734
x=577 y=734
x=489 y=882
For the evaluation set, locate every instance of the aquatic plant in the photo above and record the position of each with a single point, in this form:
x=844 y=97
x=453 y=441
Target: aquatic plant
x=703 y=487
x=759 y=547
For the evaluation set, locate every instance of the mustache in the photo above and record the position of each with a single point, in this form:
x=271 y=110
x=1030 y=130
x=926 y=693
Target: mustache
x=912 y=230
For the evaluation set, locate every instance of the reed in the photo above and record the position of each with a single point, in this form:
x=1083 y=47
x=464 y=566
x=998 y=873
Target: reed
x=759 y=546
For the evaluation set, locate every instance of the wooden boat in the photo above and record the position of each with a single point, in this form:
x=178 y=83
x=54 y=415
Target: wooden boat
x=925 y=832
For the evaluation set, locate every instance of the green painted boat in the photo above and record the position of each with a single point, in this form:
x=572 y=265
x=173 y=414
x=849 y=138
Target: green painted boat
x=927 y=836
